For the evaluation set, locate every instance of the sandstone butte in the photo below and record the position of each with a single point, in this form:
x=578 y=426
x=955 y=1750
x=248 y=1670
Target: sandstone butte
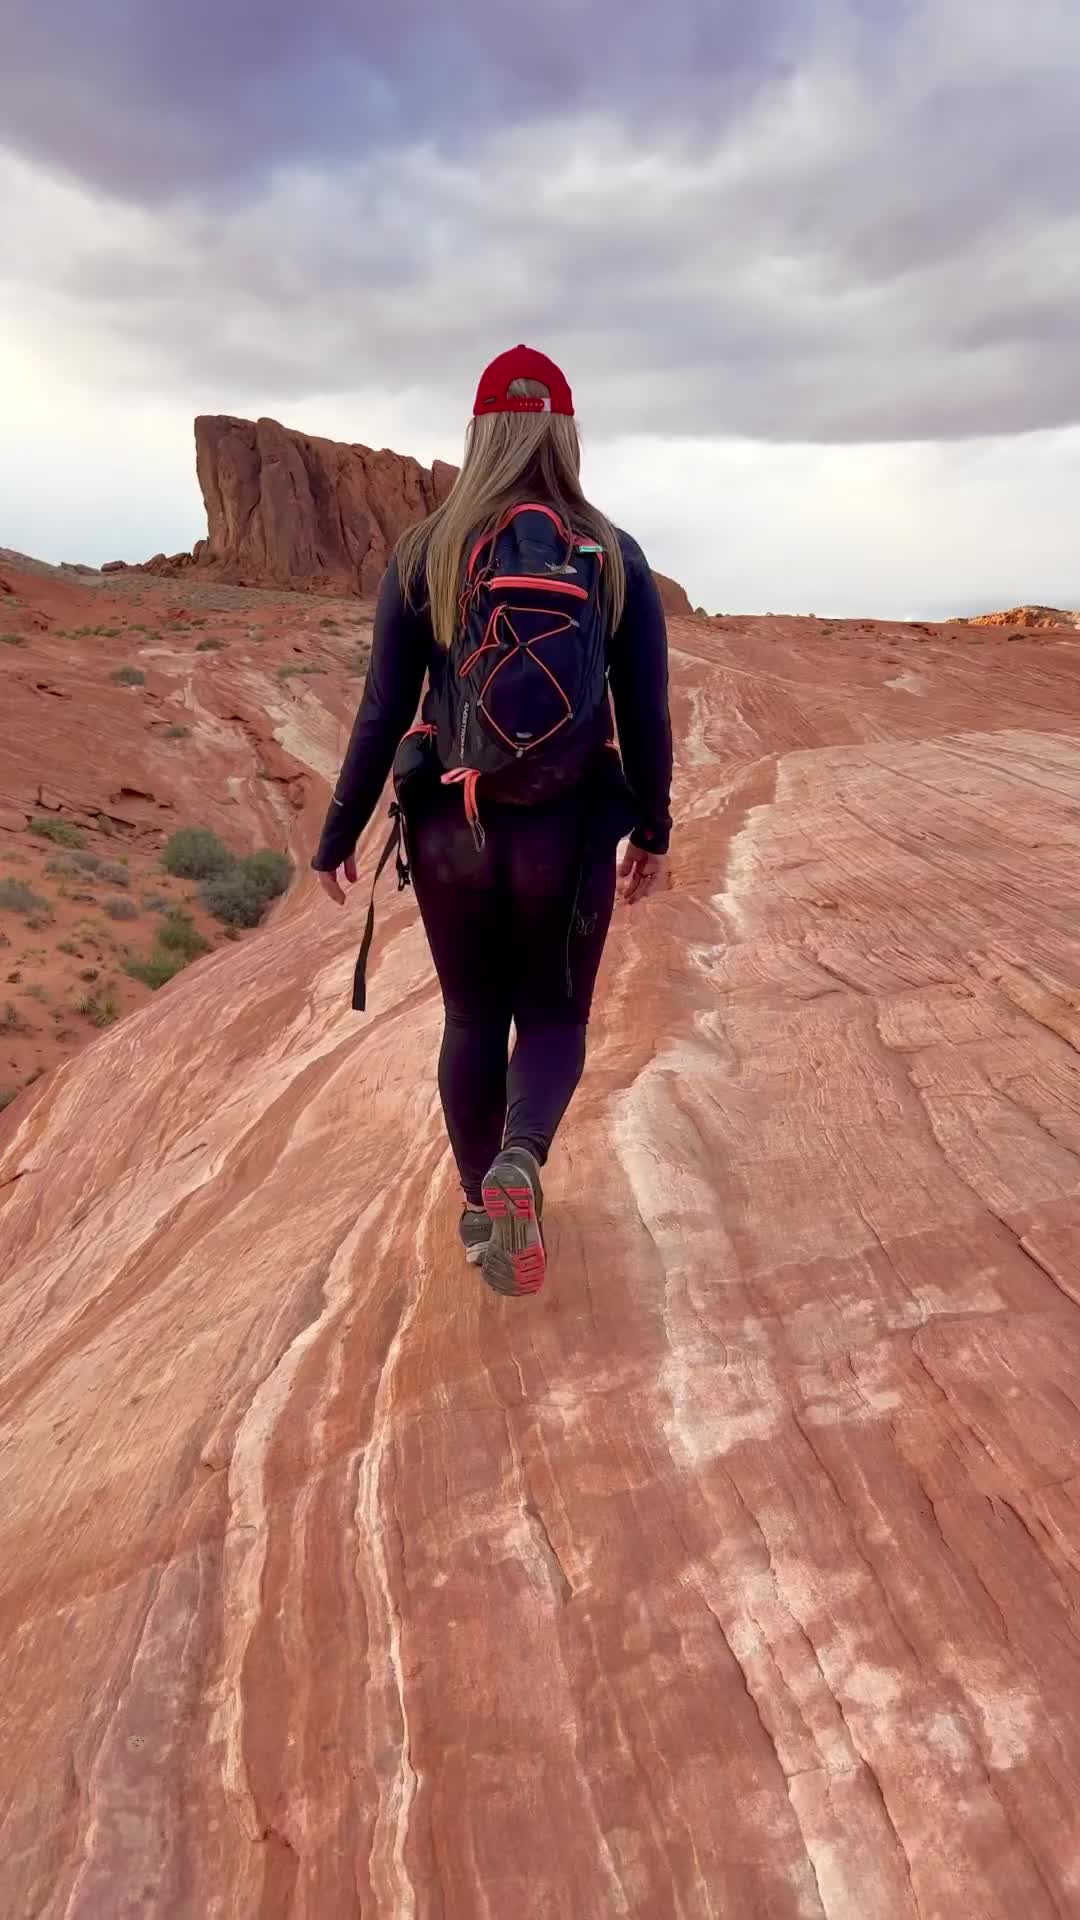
x=289 y=509
x=736 y=1576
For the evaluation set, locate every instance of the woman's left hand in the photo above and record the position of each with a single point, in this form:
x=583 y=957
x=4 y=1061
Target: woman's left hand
x=641 y=874
x=332 y=886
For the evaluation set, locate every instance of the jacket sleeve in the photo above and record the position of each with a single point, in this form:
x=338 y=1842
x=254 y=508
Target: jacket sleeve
x=400 y=653
x=638 y=675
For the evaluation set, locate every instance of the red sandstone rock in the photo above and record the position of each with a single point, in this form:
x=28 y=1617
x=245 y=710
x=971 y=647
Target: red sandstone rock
x=289 y=510
x=1026 y=617
x=675 y=599
x=737 y=1575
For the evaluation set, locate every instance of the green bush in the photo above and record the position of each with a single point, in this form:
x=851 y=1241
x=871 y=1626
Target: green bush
x=17 y=897
x=235 y=897
x=129 y=677
x=158 y=970
x=179 y=934
x=269 y=872
x=194 y=853
x=60 y=832
x=119 y=908
x=13 y=640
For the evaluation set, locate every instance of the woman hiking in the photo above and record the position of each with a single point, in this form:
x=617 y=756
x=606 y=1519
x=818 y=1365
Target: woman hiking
x=529 y=615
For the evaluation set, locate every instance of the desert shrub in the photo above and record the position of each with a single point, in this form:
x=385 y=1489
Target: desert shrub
x=235 y=897
x=114 y=873
x=99 y=1008
x=129 y=677
x=179 y=934
x=68 y=946
x=61 y=832
x=118 y=908
x=156 y=971
x=209 y=645
x=89 y=973
x=176 y=733
x=12 y=1021
x=157 y=903
x=17 y=897
x=13 y=640
x=87 y=863
x=7 y=1095
x=194 y=853
x=269 y=872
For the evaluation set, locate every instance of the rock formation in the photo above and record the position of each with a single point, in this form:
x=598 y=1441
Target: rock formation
x=736 y=1575
x=676 y=600
x=285 y=509
x=288 y=509
x=1026 y=617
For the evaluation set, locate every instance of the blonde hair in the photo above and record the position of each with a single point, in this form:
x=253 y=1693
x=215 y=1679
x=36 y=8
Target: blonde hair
x=509 y=458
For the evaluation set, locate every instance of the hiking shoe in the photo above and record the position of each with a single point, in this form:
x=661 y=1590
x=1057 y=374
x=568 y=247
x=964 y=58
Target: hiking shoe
x=474 y=1231
x=514 y=1261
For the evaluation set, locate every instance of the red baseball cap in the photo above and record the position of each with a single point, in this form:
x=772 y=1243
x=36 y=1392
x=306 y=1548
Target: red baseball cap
x=522 y=363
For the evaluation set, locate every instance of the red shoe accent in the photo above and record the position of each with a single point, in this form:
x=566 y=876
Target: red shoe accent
x=530 y=1269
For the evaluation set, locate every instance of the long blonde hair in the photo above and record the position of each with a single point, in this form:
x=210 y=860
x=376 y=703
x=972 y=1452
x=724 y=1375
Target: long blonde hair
x=509 y=458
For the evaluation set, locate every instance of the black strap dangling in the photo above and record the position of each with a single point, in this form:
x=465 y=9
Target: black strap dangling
x=393 y=846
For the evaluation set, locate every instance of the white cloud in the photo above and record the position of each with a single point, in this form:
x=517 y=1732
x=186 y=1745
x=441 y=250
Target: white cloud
x=792 y=341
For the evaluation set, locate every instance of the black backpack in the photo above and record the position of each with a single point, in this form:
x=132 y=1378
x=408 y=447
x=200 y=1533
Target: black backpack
x=523 y=704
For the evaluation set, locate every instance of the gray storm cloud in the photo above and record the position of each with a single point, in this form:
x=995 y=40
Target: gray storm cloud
x=847 y=221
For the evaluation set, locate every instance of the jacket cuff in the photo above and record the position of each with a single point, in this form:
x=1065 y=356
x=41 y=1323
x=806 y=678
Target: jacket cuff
x=651 y=839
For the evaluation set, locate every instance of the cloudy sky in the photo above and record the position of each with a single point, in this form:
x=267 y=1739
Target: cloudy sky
x=813 y=267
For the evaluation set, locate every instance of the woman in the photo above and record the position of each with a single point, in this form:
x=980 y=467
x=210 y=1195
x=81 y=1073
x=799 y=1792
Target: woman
x=522 y=606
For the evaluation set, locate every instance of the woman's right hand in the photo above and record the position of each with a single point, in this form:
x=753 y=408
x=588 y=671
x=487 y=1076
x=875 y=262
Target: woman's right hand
x=332 y=886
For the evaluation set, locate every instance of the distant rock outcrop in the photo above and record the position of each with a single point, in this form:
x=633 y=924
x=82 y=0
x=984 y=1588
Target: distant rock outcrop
x=290 y=510
x=285 y=509
x=1026 y=617
x=675 y=599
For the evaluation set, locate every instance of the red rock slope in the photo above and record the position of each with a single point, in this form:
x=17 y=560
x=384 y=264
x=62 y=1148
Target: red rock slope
x=736 y=1575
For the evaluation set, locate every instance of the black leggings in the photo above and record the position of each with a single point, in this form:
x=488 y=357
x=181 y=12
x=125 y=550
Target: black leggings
x=516 y=931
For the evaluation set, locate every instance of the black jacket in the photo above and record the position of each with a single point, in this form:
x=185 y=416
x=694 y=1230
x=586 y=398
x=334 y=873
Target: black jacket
x=404 y=651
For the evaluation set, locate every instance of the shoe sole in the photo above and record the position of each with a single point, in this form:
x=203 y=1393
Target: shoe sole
x=475 y=1255
x=514 y=1261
